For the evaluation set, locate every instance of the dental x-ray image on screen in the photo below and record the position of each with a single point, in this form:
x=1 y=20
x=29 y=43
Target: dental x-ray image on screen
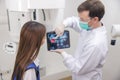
x=60 y=42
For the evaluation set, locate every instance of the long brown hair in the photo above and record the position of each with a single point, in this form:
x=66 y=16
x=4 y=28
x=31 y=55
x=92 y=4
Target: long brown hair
x=31 y=38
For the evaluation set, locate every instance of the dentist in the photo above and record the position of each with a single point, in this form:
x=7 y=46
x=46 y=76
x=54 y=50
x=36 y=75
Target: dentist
x=87 y=61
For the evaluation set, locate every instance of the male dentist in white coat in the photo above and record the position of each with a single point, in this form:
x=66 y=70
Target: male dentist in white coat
x=90 y=54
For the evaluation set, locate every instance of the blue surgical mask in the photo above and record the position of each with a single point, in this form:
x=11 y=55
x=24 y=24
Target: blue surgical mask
x=84 y=25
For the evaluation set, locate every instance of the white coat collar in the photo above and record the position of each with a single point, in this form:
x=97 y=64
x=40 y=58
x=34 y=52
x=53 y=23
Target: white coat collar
x=99 y=29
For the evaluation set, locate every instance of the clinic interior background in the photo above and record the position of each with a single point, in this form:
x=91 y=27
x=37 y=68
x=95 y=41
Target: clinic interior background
x=53 y=62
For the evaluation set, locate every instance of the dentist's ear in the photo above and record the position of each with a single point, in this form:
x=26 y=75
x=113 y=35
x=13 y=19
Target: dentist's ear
x=96 y=19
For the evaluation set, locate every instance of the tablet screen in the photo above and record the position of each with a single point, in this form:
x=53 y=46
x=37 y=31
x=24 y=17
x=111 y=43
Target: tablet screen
x=59 y=42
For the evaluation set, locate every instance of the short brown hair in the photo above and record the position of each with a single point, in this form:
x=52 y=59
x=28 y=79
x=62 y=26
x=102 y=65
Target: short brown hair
x=95 y=7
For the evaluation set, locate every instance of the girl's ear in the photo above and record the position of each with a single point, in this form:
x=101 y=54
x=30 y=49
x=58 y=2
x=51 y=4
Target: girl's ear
x=43 y=40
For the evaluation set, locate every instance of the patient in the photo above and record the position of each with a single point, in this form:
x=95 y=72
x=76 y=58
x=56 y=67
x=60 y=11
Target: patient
x=32 y=37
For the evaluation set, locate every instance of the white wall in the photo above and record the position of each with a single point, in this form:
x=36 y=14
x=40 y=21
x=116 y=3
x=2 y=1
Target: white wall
x=6 y=61
x=3 y=18
x=53 y=62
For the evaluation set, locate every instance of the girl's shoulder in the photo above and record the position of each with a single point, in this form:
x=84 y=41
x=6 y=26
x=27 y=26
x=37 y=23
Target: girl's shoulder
x=31 y=66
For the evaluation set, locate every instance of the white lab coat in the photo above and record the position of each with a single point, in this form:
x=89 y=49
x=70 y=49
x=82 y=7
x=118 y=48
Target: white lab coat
x=87 y=62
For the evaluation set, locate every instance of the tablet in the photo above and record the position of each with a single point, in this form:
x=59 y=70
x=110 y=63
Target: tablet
x=61 y=42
